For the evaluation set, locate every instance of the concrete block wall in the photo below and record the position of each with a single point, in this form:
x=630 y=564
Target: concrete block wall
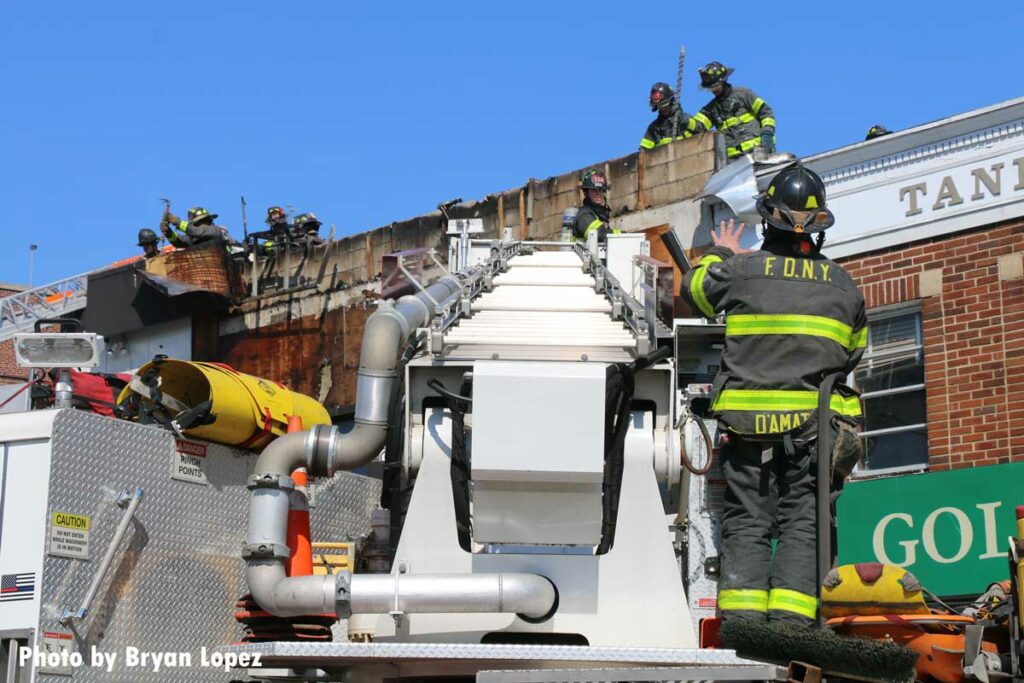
x=318 y=354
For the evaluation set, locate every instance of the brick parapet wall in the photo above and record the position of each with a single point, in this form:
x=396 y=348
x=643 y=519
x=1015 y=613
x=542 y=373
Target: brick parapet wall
x=971 y=292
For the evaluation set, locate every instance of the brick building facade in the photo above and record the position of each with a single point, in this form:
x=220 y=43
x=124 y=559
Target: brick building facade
x=969 y=290
x=10 y=373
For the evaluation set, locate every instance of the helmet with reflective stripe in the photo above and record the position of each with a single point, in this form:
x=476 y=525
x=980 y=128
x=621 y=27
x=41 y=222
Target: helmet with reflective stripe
x=307 y=221
x=795 y=201
x=594 y=179
x=147 y=236
x=275 y=214
x=713 y=74
x=876 y=131
x=661 y=95
x=198 y=214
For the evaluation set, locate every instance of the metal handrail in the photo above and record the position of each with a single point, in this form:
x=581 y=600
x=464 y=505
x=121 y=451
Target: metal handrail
x=132 y=502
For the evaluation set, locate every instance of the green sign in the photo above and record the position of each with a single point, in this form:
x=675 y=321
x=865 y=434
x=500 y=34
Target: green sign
x=949 y=529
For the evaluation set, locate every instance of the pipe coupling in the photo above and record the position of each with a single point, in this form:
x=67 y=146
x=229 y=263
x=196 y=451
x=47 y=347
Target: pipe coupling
x=321 y=450
x=373 y=396
x=424 y=313
x=265 y=551
x=267 y=480
x=387 y=310
x=343 y=594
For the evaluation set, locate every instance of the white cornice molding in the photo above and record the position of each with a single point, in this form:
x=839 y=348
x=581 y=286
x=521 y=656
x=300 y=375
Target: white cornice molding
x=998 y=124
x=981 y=139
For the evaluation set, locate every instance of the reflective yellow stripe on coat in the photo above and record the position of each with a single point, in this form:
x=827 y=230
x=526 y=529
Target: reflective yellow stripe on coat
x=783 y=400
x=814 y=325
x=697 y=285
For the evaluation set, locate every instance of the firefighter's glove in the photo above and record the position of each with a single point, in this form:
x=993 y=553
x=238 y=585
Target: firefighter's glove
x=847 y=447
x=768 y=142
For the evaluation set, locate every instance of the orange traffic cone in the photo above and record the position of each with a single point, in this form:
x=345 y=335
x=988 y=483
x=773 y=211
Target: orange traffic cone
x=301 y=561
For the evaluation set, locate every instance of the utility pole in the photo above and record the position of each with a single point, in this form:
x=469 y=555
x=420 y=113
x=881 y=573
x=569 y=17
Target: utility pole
x=31 y=262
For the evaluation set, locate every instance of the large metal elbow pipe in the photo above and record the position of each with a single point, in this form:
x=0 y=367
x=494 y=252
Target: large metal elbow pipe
x=386 y=333
x=324 y=451
x=530 y=596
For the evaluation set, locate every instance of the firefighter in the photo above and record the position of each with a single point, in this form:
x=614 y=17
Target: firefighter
x=672 y=122
x=792 y=317
x=594 y=214
x=197 y=231
x=307 y=226
x=877 y=131
x=744 y=119
x=148 y=240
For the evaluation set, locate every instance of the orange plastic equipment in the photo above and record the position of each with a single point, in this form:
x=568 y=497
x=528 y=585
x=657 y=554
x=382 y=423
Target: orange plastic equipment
x=300 y=563
x=937 y=638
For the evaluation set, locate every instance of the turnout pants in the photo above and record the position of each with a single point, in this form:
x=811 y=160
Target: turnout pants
x=768 y=493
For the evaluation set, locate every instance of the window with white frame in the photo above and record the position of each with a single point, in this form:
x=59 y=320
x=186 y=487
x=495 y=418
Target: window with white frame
x=891 y=380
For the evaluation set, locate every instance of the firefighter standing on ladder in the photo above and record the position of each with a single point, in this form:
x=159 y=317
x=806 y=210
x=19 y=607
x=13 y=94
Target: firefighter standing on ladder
x=792 y=318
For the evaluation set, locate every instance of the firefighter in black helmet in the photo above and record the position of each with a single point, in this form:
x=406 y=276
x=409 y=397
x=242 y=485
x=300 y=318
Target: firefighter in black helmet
x=672 y=122
x=149 y=242
x=792 y=317
x=307 y=226
x=198 y=230
x=744 y=119
x=877 y=131
x=594 y=214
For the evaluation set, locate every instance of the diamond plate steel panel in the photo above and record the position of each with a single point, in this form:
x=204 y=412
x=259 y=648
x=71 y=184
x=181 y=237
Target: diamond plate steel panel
x=177 y=574
x=335 y=654
x=735 y=672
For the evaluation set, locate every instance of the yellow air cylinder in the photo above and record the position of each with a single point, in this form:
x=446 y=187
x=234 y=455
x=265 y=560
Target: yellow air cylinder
x=249 y=411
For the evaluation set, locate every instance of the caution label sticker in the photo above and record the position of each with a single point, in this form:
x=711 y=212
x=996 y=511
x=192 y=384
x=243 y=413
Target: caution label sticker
x=69 y=535
x=189 y=462
x=58 y=647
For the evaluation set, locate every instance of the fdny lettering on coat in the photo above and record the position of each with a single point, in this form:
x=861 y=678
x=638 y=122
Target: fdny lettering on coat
x=797 y=269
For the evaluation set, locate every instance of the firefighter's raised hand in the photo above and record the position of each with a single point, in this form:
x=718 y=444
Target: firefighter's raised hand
x=729 y=236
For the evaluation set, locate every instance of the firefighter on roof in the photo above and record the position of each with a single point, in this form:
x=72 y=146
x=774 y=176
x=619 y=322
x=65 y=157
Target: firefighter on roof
x=307 y=225
x=594 y=214
x=672 y=122
x=792 y=318
x=198 y=230
x=877 y=131
x=744 y=119
x=149 y=242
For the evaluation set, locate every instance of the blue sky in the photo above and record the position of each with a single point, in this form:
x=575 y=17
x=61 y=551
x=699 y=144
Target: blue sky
x=366 y=113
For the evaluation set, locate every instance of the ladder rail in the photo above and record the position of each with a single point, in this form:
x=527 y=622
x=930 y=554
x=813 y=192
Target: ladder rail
x=19 y=312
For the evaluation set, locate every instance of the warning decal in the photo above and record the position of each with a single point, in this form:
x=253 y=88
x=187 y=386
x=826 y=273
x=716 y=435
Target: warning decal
x=189 y=462
x=69 y=535
x=60 y=644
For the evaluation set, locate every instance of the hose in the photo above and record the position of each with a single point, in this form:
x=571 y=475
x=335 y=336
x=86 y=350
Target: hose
x=450 y=395
x=708 y=444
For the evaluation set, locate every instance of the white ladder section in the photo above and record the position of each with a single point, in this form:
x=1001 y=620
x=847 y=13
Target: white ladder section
x=544 y=301
x=19 y=312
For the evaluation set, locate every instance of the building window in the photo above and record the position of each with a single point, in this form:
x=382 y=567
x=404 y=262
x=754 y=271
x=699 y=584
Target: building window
x=891 y=380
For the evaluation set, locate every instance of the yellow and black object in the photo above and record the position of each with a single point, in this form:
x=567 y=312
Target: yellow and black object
x=243 y=411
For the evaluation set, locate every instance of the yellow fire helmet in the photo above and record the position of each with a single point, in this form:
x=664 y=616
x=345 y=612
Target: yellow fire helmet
x=871 y=588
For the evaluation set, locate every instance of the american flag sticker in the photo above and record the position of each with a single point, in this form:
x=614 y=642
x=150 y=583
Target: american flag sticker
x=17 y=587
